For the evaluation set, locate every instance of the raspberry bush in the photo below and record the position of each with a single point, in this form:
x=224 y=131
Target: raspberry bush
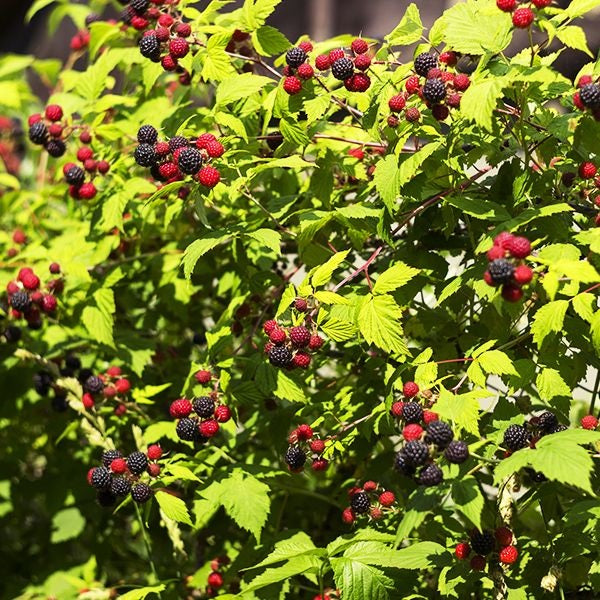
x=297 y=318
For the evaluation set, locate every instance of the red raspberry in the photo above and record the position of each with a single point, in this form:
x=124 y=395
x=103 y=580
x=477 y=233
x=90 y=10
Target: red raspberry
x=301 y=359
x=410 y=389
x=214 y=148
x=49 y=303
x=30 y=281
x=376 y=513
x=168 y=63
x=478 y=563
x=165 y=20
x=369 y=486
x=88 y=401
x=306 y=45
x=304 y=432
x=292 y=85
x=503 y=239
x=585 y=80
x=215 y=580
x=154 y=452
x=300 y=304
x=208 y=428
x=358 y=153
x=504 y=536
x=461 y=82
x=315 y=342
x=222 y=413
x=359 y=46
x=508 y=555
x=587 y=170
x=209 y=177
x=269 y=326
x=113 y=371
x=429 y=416
x=387 y=498
x=34 y=119
x=577 y=101
x=322 y=62
x=178 y=47
x=523 y=17
x=122 y=386
x=397 y=409
x=278 y=336
x=519 y=247
x=336 y=55
x=205 y=139
x=180 y=408
x=168 y=170
x=300 y=336
x=317 y=446
x=412 y=84
x=412 y=432
x=397 y=102
x=512 y=293
x=183 y=30
x=506 y=5
x=523 y=274
x=541 y=3
x=153 y=470
x=412 y=114
x=305 y=71
x=348 y=516
x=362 y=62
x=462 y=550
x=495 y=252
x=448 y=58
x=319 y=464
x=54 y=112
x=589 y=422
x=118 y=466
x=84 y=154
x=109 y=391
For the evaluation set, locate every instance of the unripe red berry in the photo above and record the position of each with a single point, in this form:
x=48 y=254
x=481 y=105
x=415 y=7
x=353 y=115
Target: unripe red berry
x=359 y=46
x=322 y=62
x=397 y=409
x=209 y=428
x=523 y=274
x=49 y=303
x=35 y=118
x=278 y=336
x=183 y=30
x=506 y=5
x=412 y=84
x=305 y=71
x=84 y=154
x=203 y=376
x=412 y=115
x=587 y=170
x=165 y=20
x=397 y=103
x=306 y=45
x=523 y=17
x=209 y=176
x=512 y=293
x=585 y=80
x=214 y=148
x=300 y=304
x=336 y=55
x=103 y=166
x=302 y=359
x=315 y=342
x=504 y=536
x=123 y=386
x=154 y=452
x=269 y=326
x=54 y=112
x=87 y=400
x=589 y=422
x=169 y=63
x=113 y=371
x=387 y=498
x=319 y=464
x=448 y=58
x=495 y=252
x=348 y=516
x=508 y=555
x=178 y=47
x=317 y=446
x=85 y=137
x=304 y=432
x=180 y=408
x=118 y=466
x=577 y=101
x=222 y=413
x=362 y=62
x=462 y=550
x=412 y=432
x=153 y=470
x=292 y=85
x=410 y=389
x=109 y=391
x=461 y=82
x=478 y=563
x=215 y=580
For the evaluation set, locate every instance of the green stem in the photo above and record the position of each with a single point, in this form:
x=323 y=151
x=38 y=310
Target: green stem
x=146 y=541
x=595 y=392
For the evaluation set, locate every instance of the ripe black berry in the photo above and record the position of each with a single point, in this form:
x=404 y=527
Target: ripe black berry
x=416 y=452
x=141 y=493
x=457 y=452
x=150 y=47
x=295 y=457
x=412 y=412
x=189 y=160
x=55 y=148
x=177 y=141
x=120 y=486
x=424 y=62
x=42 y=382
x=560 y=427
x=295 y=57
x=105 y=498
x=109 y=455
x=38 y=133
x=360 y=502
x=439 y=433
x=280 y=356
x=73 y=362
x=482 y=542
x=144 y=155
x=547 y=421
x=20 y=301
x=137 y=462
x=590 y=95
x=431 y=475
x=403 y=465
x=101 y=478
x=434 y=91
x=501 y=271
x=140 y=6
x=93 y=384
x=515 y=437
x=75 y=176
x=186 y=429
x=147 y=134
x=204 y=407
x=342 y=68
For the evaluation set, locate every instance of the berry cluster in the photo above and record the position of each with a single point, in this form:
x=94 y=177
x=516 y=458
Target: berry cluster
x=79 y=189
x=522 y=16
x=289 y=348
x=302 y=442
x=204 y=422
x=27 y=300
x=43 y=381
x=178 y=157
x=346 y=66
x=512 y=275
x=485 y=543
x=369 y=500
x=107 y=387
x=524 y=436
x=215 y=579
x=19 y=237
x=422 y=445
x=119 y=476
x=587 y=97
x=432 y=84
x=47 y=130
x=81 y=40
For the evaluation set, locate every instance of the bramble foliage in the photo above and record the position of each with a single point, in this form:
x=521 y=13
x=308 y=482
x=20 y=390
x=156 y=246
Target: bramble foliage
x=316 y=320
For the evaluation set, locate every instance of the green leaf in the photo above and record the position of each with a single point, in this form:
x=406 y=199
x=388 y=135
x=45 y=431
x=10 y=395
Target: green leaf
x=66 y=525
x=379 y=322
x=479 y=101
x=142 y=593
x=294 y=566
x=200 y=247
x=461 y=409
x=288 y=296
x=409 y=30
x=573 y=37
x=394 y=277
x=326 y=297
x=548 y=319
x=269 y=238
x=584 y=304
x=240 y=86
x=595 y=331
x=577 y=8
x=468 y=499
x=173 y=507
x=359 y=581
x=294 y=132
x=255 y=12
x=550 y=384
x=269 y=41
x=496 y=362
x=338 y=330
x=410 y=167
x=386 y=180
x=323 y=273
x=288 y=389
x=298 y=544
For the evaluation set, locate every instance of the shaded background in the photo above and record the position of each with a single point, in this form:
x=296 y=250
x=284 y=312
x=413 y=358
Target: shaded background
x=319 y=18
